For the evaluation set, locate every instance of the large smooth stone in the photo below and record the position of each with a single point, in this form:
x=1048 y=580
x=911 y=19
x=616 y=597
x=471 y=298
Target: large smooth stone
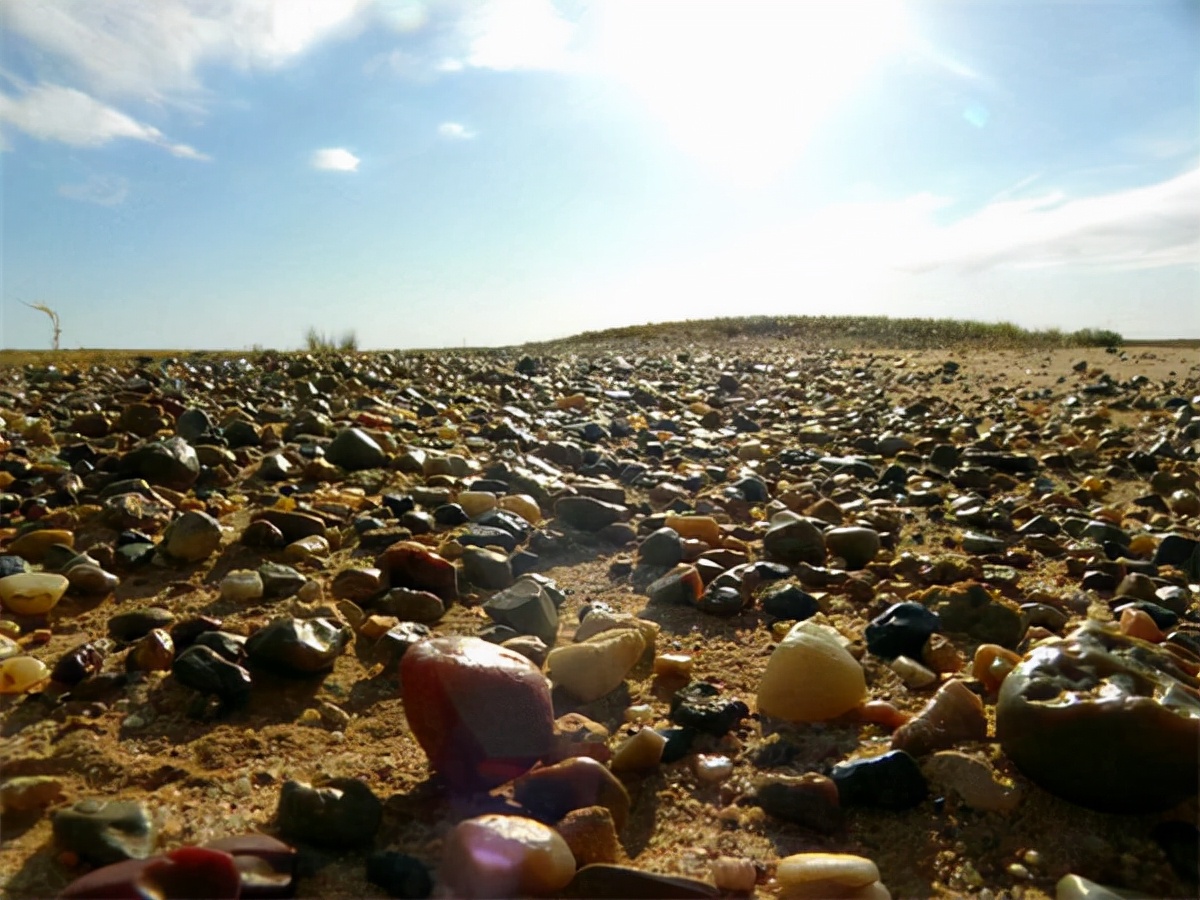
x=489 y=569
x=825 y=875
x=811 y=677
x=32 y=593
x=505 y=856
x=34 y=545
x=193 y=537
x=593 y=668
x=588 y=513
x=22 y=674
x=299 y=646
x=172 y=463
x=412 y=565
x=1103 y=720
x=481 y=713
x=342 y=813
x=901 y=630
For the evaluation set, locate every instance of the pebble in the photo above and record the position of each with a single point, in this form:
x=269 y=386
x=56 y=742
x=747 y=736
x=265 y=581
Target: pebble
x=735 y=875
x=550 y=792
x=1050 y=717
x=298 y=646
x=663 y=547
x=22 y=675
x=353 y=449
x=954 y=714
x=700 y=707
x=591 y=835
x=788 y=602
x=912 y=673
x=810 y=800
x=105 y=831
x=901 y=630
x=588 y=513
x=193 y=537
x=242 y=586
x=205 y=670
x=892 y=780
x=88 y=578
x=488 y=569
x=971 y=778
x=481 y=713
x=135 y=623
x=412 y=565
x=504 y=856
x=154 y=652
x=593 y=668
x=854 y=544
x=340 y=813
x=410 y=605
x=35 y=545
x=641 y=751
x=991 y=665
x=527 y=607
x=400 y=875
x=32 y=593
x=795 y=541
x=811 y=677
x=823 y=875
x=1076 y=887
x=185 y=871
x=26 y=793
x=682 y=586
x=607 y=881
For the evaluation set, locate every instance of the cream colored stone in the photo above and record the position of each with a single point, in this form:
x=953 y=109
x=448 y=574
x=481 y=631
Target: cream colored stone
x=523 y=505
x=828 y=875
x=811 y=677
x=734 y=874
x=505 y=856
x=596 y=622
x=32 y=593
x=21 y=674
x=476 y=502
x=973 y=779
x=589 y=670
x=642 y=751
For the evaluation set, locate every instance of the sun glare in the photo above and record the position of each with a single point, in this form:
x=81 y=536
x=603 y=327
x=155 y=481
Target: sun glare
x=743 y=85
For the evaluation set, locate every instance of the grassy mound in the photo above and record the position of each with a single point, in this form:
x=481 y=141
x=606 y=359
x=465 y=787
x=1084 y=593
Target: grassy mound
x=847 y=331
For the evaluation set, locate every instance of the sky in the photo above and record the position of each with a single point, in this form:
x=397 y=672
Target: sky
x=207 y=174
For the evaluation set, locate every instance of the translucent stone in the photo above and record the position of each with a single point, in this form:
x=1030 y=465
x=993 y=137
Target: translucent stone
x=643 y=750
x=22 y=674
x=505 y=856
x=811 y=677
x=992 y=664
x=32 y=593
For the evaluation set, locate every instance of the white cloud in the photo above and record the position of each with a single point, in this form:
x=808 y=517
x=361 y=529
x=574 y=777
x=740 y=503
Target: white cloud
x=51 y=112
x=154 y=50
x=335 y=159
x=517 y=34
x=103 y=190
x=455 y=131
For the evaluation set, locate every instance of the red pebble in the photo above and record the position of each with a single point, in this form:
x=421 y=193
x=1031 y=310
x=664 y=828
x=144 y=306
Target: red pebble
x=481 y=713
x=412 y=565
x=184 y=873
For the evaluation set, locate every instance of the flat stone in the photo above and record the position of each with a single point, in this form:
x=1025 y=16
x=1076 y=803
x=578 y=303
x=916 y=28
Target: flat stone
x=411 y=606
x=588 y=513
x=809 y=800
x=550 y=792
x=795 y=541
x=487 y=568
x=973 y=779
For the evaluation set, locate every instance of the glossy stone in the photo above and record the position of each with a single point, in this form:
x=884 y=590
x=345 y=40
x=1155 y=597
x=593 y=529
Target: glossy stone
x=699 y=706
x=788 y=602
x=504 y=856
x=182 y=873
x=481 y=713
x=794 y=541
x=901 y=630
x=22 y=674
x=298 y=646
x=32 y=593
x=550 y=792
x=412 y=565
x=892 y=780
x=855 y=544
x=526 y=607
x=79 y=663
x=341 y=813
x=204 y=670
x=192 y=537
x=1103 y=720
x=682 y=585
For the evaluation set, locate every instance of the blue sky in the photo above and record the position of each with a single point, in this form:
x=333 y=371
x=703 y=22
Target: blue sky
x=226 y=173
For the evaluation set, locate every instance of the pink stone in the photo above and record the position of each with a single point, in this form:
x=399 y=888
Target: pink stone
x=481 y=713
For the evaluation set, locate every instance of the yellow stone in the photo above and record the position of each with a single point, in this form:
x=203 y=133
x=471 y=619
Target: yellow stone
x=523 y=505
x=33 y=545
x=811 y=677
x=703 y=528
x=22 y=674
x=673 y=665
x=476 y=502
x=32 y=593
x=589 y=670
x=642 y=751
x=825 y=875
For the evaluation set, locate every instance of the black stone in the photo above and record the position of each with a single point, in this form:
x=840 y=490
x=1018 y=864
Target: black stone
x=720 y=600
x=399 y=874
x=394 y=643
x=203 y=669
x=1181 y=552
x=398 y=504
x=298 y=646
x=663 y=547
x=342 y=813
x=228 y=646
x=679 y=743
x=890 y=781
x=450 y=514
x=1163 y=617
x=901 y=631
x=487 y=536
x=78 y=664
x=129 y=626
x=790 y=602
x=700 y=707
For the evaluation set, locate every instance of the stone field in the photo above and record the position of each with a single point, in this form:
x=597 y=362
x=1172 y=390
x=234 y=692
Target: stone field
x=628 y=619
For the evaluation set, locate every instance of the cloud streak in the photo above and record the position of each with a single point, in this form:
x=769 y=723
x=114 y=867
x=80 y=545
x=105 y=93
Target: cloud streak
x=335 y=159
x=103 y=190
x=455 y=131
x=51 y=112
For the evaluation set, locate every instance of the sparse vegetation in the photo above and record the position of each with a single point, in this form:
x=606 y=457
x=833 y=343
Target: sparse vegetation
x=844 y=331
x=319 y=342
x=42 y=307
